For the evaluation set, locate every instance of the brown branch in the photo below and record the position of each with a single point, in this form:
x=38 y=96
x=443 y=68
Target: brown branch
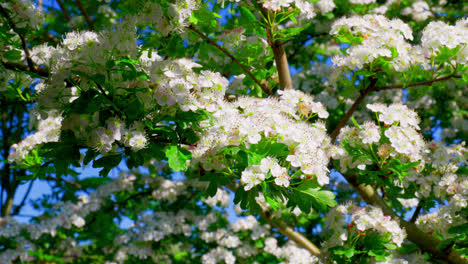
x=74 y=183
x=282 y=66
x=287 y=231
x=264 y=87
x=399 y=86
x=64 y=10
x=424 y=241
x=348 y=114
x=24 y=45
x=85 y=14
x=416 y=212
x=43 y=72
x=373 y=88
x=283 y=228
x=281 y=59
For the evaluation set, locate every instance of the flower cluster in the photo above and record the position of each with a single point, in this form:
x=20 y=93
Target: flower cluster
x=362 y=218
x=419 y=11
x=24 y=13
x=382 y=37
x=438 y=34
x=306 y=8
x=248 y=120
x=379 y=35
x=48 y=130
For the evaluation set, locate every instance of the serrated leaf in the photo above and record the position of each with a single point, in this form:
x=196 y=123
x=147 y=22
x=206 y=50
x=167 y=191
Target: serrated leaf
x=177 y=158
x=320 y=199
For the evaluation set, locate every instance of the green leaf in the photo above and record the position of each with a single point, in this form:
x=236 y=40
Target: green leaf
x=459 y=229
x=13 y=55
x=465 y=77
x=107 y=163
x=279 y=150
x=94 y=182
x=355 y=123
x=349 y=252
x=177 y=158
x=320 y=199
x=390 y=246
x=251 y=19
x=215 y=180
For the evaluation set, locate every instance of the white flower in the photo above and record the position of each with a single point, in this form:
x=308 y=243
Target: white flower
x=370 y=133
x=252 y=176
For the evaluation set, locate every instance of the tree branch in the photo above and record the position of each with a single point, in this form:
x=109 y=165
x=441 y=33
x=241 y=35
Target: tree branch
x=423 y=240
x=348 y=114
x=287 y=231
x=281 y=59
x=64 y=10
x=372 y=88
x=283 y=228
x=264 y=87
x=43 y=72
x=17 y=208
x=85 y=14
x=21 y=36
x=416 y=212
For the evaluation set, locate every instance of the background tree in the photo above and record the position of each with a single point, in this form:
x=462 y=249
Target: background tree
x=336 y=128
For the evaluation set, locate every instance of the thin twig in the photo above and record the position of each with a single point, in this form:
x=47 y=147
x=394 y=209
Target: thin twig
x=74 y=183
x=264 y=87
x=64 y=10
x=23 y=201
x=21 y=36
x=399 y=86
x=85 y=14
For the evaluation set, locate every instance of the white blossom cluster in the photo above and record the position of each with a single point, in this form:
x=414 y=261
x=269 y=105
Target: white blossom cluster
x=221 y=197
x=171 y=83
x=175 y=19
x=306 y=8
x=444 y=184
x=438 y=34
x=363 y=218
x=418 y=10
x=290 y=251
x=441 y=179
x=380 y=35
x=68 y=215
x=48 y=130
x=248 y=120
x=401 y=130
x=24 y=13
